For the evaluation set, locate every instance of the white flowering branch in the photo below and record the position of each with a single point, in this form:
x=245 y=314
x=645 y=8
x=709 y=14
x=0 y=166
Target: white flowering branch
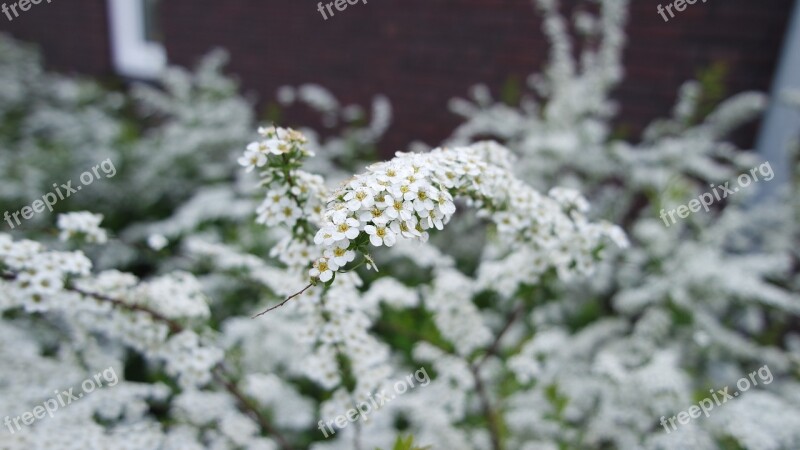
x=219 y=372
x=411 y=194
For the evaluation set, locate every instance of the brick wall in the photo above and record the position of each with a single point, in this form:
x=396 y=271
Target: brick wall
x=73 y=34
x=745 y=35
x=421 y=53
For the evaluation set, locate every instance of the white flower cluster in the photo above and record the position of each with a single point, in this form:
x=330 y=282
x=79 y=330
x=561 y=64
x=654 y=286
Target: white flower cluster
x=83 y=224
x=414 y=192
x=183 y=293
x=276 y=141
x=189 y=361
x=601 y=358
x=201 y=410
x=456 y=316
x=39 y=274
x=270 y=390
x=157 y=242
x=612 y=371
x=38 y=280
x=30 y=372
x=281 y=206
x=332 y=323
x=401 y=198
x=293 y=197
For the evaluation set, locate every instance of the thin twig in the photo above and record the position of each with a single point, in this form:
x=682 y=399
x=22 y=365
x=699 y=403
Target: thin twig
x=486 y=405
x=248 y=407
x=495 y=347
x=283 y=302
x=173 y=325
x=488 y=412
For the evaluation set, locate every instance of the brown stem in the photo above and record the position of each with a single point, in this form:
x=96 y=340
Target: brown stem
x=174 y=326
x=489 y=413
x=283 y=302
x=510 y=320
x=248 y=407
x=480 y=387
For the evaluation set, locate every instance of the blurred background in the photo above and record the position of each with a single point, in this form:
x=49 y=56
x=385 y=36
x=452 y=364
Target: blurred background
x=419 y=53
x=639 y=115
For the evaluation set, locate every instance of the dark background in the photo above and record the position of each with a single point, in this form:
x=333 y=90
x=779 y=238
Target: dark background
x=421 y=53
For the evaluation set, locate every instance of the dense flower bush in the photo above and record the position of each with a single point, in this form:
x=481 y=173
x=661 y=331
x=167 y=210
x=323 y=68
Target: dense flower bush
x=530 y=277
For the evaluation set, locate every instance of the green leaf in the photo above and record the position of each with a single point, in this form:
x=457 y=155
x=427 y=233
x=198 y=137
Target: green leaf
x=406 y=443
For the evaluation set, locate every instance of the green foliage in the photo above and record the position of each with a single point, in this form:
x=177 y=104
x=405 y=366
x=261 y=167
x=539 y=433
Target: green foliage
x=712 y=81
x=273 y=113
x=403 y=328
x=407 y=443
x=511 y=93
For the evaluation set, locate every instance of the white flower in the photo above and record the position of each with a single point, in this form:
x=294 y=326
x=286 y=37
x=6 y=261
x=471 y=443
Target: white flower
x=397 y=208
x=273 y=133
x=404 y=190
x=325 y=236
x=380 y=235
x=260 y=147
x=267 y=132
x=346 y=229
x=393 y=174
x=277 y=147
x=361 y=198
x=569 y=199
x=75 y=263
x=445 y=203
x=374 y=215
x=436 y=219
x=252 y=158
x=289 y=212
x=406 y=228
x=377 y=185
x=338 y=214
x=340 y=253
x=507 y=223
x=423 y=198
x=323 y=269
x=157 y=242
x=83 y=223
x=40 y=282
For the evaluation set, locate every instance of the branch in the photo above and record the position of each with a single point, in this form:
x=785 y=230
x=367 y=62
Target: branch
x=219 y=372
x=495 y=347
x=488 y=412
x=283 y=302
x=174 y=326
x=248 y=407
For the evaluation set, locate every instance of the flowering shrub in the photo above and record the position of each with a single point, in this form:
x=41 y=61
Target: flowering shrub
x=542 y=325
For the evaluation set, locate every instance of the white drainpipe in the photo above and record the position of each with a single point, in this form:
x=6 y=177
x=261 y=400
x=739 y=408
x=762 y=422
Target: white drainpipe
x=782 y=123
